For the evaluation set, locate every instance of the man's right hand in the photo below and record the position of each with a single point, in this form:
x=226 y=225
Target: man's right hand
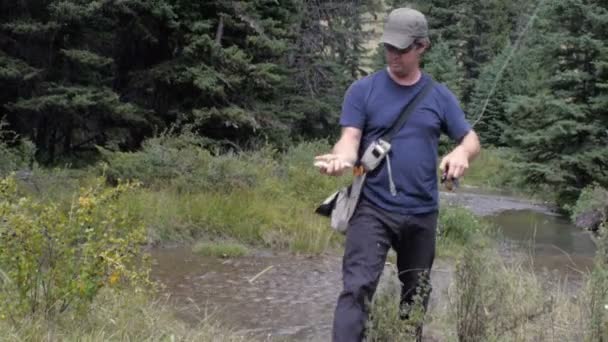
x=332 y=164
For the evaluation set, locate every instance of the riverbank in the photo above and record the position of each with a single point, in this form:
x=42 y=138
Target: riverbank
x=232 y=206
x=277 y=295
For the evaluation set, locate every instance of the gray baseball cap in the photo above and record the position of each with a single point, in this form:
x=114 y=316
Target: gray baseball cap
x=403 y=26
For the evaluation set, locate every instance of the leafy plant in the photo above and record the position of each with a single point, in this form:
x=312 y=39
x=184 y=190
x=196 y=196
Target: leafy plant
x=53 y=259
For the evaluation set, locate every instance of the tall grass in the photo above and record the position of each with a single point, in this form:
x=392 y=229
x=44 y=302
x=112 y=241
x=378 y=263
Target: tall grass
x=263 y=198
x=118 y=317
x=491 y=299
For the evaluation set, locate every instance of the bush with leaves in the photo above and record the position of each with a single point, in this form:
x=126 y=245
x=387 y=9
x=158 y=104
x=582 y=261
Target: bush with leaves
x=53 y=259
x=592 y=198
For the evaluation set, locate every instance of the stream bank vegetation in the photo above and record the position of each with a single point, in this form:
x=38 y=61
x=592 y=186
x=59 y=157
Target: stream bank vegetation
x=88 y=261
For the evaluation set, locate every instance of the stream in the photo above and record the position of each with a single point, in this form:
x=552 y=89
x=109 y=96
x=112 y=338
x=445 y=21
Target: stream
x=293 y=299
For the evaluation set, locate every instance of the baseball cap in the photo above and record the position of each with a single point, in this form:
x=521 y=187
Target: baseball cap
x=403 y=26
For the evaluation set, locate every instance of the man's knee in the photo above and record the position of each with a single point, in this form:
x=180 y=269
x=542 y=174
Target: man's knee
x=360 y=290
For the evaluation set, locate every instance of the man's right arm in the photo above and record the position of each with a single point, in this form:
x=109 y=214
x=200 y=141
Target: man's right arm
x=344 y=153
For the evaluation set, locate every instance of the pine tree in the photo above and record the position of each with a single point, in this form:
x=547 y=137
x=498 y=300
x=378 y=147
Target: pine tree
x=236 y=72
x=476 y=31
x=441 y=63
x=560 y=131
x=63 y=70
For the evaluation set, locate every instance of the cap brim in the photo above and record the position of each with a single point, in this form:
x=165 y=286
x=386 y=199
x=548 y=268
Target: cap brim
x=397 y=40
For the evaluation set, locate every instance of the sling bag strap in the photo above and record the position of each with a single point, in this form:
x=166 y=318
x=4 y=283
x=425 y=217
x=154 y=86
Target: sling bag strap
x=407 y=111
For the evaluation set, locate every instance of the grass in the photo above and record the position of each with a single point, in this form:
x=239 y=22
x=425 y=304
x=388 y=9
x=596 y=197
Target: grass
x=458 y=227
x=260 y=199
x=220 y=249
x=385 y=323
x=118 y=317
x=496 y=168
x=265 y=199
x=250 y=217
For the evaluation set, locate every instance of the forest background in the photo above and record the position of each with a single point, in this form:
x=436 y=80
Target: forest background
x=80 y=76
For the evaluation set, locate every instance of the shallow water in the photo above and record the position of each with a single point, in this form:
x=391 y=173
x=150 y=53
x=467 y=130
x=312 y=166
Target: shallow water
x=553 y=243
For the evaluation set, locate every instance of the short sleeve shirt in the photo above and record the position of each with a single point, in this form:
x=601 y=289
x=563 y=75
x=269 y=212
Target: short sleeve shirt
x=373 y=104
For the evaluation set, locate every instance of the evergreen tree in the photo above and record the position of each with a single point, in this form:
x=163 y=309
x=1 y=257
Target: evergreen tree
x=560 y=131
x=77 y=73
x=517 y=70
x=62 y=70
x=475 y=31
x=441 y=63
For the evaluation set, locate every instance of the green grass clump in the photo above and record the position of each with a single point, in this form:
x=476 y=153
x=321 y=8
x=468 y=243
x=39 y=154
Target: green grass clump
x=457 y=228
x=220 y=249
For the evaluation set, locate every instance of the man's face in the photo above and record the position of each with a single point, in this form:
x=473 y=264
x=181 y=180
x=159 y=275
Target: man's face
x=402 y=61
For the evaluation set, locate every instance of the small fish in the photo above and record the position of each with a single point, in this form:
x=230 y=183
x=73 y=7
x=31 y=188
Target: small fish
x=451 y=183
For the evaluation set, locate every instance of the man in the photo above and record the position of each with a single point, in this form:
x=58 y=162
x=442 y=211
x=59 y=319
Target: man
x=399 y=202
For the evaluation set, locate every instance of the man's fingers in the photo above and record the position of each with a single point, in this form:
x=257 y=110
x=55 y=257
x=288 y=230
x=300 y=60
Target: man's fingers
x=331 y=164
x=444 y=163
x=457 y=171
x=331 y=168
x=461 y=171
x=326 y=157
x=336 y=167
x=320 y=164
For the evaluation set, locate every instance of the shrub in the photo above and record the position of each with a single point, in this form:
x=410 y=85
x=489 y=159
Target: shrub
x=596 y=316
x=53 y=259
x=182 y=163
x=592 y=197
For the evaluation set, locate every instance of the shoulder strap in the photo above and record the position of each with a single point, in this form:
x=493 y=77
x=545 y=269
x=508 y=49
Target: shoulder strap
x=409 y=108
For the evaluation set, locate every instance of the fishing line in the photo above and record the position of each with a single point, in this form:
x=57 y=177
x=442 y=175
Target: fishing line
x=511 y=53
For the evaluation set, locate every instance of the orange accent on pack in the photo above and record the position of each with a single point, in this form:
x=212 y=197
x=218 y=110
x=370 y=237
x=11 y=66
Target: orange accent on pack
x=358 y=170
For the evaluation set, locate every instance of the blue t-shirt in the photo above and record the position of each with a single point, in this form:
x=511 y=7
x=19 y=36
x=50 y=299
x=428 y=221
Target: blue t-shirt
x=373 y=104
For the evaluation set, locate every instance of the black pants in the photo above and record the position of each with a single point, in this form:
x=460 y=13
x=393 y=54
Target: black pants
x=372 y=231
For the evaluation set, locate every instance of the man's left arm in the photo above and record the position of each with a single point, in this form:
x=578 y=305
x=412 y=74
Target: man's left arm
x=456 y=163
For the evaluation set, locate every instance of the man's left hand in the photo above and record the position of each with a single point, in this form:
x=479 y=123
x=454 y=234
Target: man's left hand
x=455 y=164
